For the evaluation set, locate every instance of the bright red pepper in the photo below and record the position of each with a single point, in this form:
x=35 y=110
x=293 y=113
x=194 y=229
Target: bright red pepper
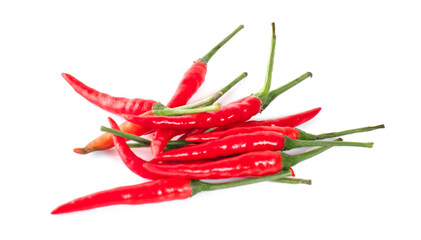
x=133 y=162
x=230 y=113
x=190 y=83
x=117 y=105
x=161 y=190
x=251 y=164
x=288 y=121
x=293 y=133
x=150 y=192
x=247 y=142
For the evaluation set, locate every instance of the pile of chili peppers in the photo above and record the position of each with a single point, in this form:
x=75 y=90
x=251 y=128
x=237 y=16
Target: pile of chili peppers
x=202 y=140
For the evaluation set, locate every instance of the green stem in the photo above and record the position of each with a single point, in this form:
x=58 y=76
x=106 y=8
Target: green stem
x=142 y=141
x=126 y=135
x=291 y=160
x=137 y=145
x=276 y=92
x=177 y=112
x=212 y=99
x=262 y=94
x=293 y=181
x=291 y=143
x=307 y=136
x=199 y=186
x=205 y=59
x=224 y=90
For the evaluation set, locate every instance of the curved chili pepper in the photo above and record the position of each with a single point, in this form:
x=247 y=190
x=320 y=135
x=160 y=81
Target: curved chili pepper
x=149 y=192
x=160 y=190
x=133 y=162
x=117 y=105
x=247 y=142
x=293 y=133
x=251 y=164
x=191 y=81
x=230 y=113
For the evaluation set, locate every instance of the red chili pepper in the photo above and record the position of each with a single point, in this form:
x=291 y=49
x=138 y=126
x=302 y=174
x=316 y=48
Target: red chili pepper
x=150 y=192
x=231 y=113
x=251 y=164
x=293 y=133
x=241 y=143
x=117 y=105
x=288 y=121
x=133 y=162
x=160 y=190
x=190 y=83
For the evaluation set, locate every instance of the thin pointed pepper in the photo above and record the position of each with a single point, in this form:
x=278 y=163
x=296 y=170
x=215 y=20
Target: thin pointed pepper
x=251 y=164
x=133 y=162
x=247 y=142
x=189 y=84
x=117 y=105
x=287 y=121
x=293 y=133
x=160 y=190
x=235 y=112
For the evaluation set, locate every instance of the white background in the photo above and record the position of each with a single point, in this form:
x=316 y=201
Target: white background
x=365 y=57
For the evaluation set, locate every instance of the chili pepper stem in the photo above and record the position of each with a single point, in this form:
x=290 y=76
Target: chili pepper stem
x=293 y=143
x=262 y=94
x=159 y=108
x=278 y=91
x=199 y=186
x=221 y=92
x=176 y=112
x=205 y=59
x=291 y=160
x=293 y=181
x=307 y=136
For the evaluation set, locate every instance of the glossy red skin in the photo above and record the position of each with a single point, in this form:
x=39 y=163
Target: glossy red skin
x=288 y=121
x=133 y=162
x=166 y=189
x=228 y=114
x=227 y=146
x=210 y=136
x=192 y=80
x=189 y=84
x=252 y=164
x=116 y=105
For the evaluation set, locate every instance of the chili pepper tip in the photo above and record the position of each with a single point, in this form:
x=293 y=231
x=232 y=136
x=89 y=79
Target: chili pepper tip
x=82 y=150
x=292 y=172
